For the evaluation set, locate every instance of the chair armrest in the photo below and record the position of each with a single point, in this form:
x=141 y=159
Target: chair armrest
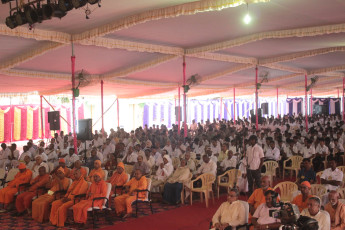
x=60 y=192
x=78 y=197
x=2 y=181
x=43 y=188
x=243 y=226
x=24 y=185
x=284 y=162
x=143 y=190
x=99 y=198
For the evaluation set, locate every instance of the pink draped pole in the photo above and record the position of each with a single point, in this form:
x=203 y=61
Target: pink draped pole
x=338 y=93
x=42 y=130
x=234 y=105
x=118 y=113
x=102 y=107
x=343 y=99
x=256 y=99
x=277 y=103
x=311 y=102
x=184 y=98
x=220 y=108
x=179 y=111
x=306 y=103
x=73 y=104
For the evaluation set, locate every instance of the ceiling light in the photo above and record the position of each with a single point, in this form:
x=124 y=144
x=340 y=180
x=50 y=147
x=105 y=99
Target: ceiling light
x=11 y=22
x=20 y=18
x=65 y=5
x=247 y=19
x=79 y=3
x=31 y=14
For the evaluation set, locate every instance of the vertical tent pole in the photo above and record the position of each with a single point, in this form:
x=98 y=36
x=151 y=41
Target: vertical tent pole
x=118 y=113
x=234 y=90
x=306 y=102
x=338 y=92
x=256 y=99
x=220 y=108
x=42 y=132
x=184 y=97
x=102 y=107
x=311 y=102
x=277 y=103
x=179 y=110
x=73 y=104
x=343 y=99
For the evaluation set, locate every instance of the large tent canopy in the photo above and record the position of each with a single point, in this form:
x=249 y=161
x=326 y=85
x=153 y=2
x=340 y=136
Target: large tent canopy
x=137 y=48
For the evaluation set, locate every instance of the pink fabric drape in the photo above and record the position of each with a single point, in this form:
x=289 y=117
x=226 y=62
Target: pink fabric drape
x=36 y=125
x=7 y=123
x=69 y=119
x=46 y=124
x=23 y=123
x=81 y=112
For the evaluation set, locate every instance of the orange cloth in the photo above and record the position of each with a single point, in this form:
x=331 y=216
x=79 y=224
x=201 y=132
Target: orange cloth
x=257 y=197
x=67 y=172
x=82 y=171
x=24 y=200
x=337 y=216
x=58 y=213
x=118 y=180
x=298 y=200
x=96 y=190
x=7 y=193
x=124 y=202
x=93 y=171
x=40 y=206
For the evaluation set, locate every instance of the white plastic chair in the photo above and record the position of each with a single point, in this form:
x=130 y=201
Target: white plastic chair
x=87 y=170
x=105 y=174
x=147 y=198
x=10 y=176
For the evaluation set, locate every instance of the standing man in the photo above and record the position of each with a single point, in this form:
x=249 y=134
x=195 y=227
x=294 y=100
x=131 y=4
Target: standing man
x=254 y=158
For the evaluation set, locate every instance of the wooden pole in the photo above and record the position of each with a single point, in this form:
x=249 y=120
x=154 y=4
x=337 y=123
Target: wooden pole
x=73 y=103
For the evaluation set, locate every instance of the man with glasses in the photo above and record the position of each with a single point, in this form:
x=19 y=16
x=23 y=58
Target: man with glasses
x=314 y=211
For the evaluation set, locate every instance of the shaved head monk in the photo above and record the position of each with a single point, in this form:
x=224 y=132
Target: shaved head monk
x=119 y=178
x=24 y=200
x=41 y=206
x=77 y=166
x=258 y=196
x=123 y=203
x=97 y=169
x=58 y=213
x=97 y=189
x=7 y=194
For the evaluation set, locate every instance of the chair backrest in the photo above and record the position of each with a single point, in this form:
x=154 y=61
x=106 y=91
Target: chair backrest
x=341 y=192
x=2 y=173
x=87 y=170
x=129 y=169
x=108 y=193
x=246 y=209
x=207 y=179
x=296 y=161
x=270 y=167
x=342 y=168
x=342 y=201
x=105 y=174
x=233 y=175
x=149 y=181
x=318 y=190
x=318 y=177
x=286 y=190
x=51 y=166
x=128 y=177
x=11 y=174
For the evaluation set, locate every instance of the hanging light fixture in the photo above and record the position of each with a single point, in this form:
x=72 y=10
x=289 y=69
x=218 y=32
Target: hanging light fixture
x=79 y=3
x=31 y=14
x=91 y=2
x=20 y=18
x=47 y=10
x=247 y=18
x=11 y=21
x=65 y=5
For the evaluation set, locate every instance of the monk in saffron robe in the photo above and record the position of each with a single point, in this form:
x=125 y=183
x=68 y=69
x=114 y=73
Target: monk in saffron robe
x=123 y=203
x=40 y=206
x=97 y=168
x=24 y=200
x=62 y=164
x=58 y=213
x=77 y=166
x=119 y=178
x=97 y=189
x=7 y=194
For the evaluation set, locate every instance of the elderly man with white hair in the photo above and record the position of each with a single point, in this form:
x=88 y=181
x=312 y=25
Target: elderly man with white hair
x=164 y=170
x=39 y=163
x=336 y=211
x=314 y=211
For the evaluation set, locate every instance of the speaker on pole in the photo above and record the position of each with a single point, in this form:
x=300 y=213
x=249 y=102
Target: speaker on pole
x=264 y=107
x=54 y=120
x=85 y=129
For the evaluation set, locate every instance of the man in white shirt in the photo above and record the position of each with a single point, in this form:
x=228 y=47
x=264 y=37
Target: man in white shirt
x=272 y=152
x=215 y=147
x=229 y=162
x=35 y=168
x=42 y=155
x=332 y=177
x=321 y=152
x=254 y=160
x=208 y=166
x=71 y=158
x=314 y=211
x=13 y=156
x=308 y=151
x=4 y=153
x=25 y=153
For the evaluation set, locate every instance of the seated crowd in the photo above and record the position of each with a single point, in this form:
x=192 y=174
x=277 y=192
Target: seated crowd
x=55 y=177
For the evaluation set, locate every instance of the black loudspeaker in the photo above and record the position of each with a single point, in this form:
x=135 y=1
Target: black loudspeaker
x=253 y=117
x=176 y=113
x=85 y=129
x=264 y=107
x=54 y=120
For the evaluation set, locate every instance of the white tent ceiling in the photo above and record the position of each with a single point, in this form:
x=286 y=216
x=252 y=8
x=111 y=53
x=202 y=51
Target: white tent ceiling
x=137 y=48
